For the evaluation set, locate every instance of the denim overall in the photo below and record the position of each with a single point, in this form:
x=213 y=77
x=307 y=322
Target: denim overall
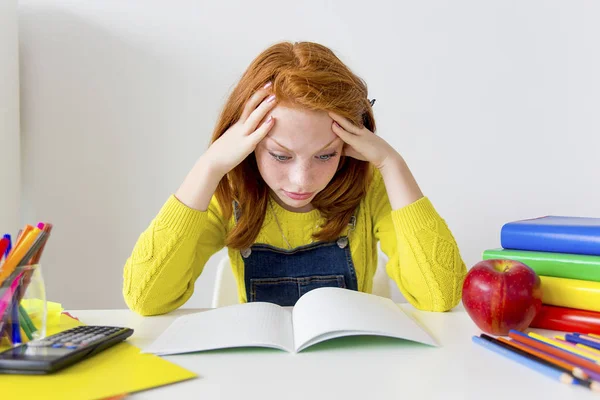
x=282 y=276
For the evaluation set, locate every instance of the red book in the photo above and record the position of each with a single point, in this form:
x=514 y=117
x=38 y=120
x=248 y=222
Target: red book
x=567 y=320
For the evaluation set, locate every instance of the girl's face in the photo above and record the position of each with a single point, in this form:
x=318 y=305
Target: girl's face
x=299 y=157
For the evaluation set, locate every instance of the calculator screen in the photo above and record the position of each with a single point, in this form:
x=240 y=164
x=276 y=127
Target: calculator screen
x=33 y=353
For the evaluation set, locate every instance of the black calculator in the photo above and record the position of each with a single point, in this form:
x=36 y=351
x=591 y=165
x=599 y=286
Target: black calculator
x=52 y=353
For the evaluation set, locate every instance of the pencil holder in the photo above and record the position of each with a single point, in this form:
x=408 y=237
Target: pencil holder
x=23 y=306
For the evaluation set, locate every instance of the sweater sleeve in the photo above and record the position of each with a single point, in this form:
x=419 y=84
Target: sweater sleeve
x=424 y=259
x=169 y=256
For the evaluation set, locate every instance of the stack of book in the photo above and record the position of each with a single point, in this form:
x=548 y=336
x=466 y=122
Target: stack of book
x=565 y=253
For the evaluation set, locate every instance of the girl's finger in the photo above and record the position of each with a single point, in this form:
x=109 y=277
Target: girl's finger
x=345 y=123
x=259 y=113
x=254 y=101
x=262 y=130
x=342 y=133
x=350 y=152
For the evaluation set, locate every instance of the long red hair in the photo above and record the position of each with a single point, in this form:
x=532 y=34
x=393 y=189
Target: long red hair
x=310 y=76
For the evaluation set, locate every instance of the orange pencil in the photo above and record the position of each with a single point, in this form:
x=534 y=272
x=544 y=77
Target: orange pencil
x=36 y=258
x=575 y=370
x=555 y=351
x=22 y=234
x=17 y=254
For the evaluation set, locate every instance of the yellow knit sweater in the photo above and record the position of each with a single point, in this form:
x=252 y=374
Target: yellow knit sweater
x=424 y=259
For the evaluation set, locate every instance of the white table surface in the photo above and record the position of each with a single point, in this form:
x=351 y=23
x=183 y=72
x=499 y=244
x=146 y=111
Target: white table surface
x=349 y=368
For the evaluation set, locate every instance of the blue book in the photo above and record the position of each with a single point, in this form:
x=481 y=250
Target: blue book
x=575 y=235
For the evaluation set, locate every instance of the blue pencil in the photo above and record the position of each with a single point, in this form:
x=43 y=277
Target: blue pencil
x=576 y=338
x=548 y=371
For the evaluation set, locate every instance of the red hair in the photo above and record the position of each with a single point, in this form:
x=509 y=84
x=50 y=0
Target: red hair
x=310 y=76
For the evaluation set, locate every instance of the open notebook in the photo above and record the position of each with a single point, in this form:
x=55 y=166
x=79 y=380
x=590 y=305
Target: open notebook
x=319 y=315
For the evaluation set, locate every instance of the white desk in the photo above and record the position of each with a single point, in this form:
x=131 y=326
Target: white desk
x=379 y=368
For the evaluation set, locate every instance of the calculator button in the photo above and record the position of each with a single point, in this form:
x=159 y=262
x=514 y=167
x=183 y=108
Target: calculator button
x=37 y=343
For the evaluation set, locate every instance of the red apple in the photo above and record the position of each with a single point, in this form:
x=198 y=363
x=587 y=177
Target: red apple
x=501 y=294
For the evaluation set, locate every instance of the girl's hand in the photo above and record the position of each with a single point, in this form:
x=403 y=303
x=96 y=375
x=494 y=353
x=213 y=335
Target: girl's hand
x=240 y=140
x=361 y=143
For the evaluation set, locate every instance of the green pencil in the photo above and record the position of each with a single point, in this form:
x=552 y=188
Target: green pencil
x=24 y=325
x=27 y=319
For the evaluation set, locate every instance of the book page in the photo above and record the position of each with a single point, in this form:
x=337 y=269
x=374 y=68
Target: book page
x=328 y=313
x=240 y=325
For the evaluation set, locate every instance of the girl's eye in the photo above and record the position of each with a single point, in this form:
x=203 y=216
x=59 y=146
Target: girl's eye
x=279 y=158
x=327 y=157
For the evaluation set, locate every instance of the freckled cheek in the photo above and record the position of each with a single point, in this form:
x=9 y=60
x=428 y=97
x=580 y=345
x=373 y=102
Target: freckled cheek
x=325 y=173
x=262 y=163
x=271 y=171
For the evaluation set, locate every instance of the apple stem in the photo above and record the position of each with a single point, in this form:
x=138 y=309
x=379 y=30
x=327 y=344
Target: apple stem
x=506 y=268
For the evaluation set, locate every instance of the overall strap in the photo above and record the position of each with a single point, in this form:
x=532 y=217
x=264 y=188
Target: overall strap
x=352 y=223
x=342 y=241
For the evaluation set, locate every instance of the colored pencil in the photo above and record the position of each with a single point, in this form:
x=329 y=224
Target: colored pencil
x=554 y=373
x=24 y=327
x=582 y=340
x=564 y=347
x=574 y=369
x=587 y=349
x=28 y=320
x=17 y=254
x=566 y=369
x=587 y=337
x=45 y=228
x=564 y=354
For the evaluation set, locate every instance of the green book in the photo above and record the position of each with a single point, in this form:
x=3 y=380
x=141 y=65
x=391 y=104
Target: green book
x=560 y=265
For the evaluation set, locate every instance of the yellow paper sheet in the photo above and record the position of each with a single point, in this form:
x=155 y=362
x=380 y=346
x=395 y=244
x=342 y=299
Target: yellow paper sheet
x=117 y=370
x=53 y=313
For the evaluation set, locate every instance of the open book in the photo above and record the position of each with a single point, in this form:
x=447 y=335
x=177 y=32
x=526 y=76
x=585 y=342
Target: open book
x=319 y=315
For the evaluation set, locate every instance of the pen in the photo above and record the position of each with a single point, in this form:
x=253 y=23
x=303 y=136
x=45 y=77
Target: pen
x=4 y=247
x=16 y=331
x=9 y=246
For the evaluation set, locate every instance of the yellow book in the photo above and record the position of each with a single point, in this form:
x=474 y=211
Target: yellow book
x=115 y=371
x=572 y=293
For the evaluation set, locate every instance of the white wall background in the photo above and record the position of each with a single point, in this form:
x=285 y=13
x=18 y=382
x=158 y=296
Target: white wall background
x=495 y=106
x=10 y=189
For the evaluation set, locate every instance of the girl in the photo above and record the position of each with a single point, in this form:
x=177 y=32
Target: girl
x=300 y=189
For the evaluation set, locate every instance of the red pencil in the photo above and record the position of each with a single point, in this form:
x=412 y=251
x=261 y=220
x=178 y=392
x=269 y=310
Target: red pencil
x=565 y=355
